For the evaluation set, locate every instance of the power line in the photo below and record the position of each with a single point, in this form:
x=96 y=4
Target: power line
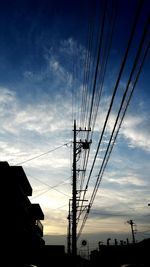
x=99 y=84
x=51 y=187
x=89 y=108
x=123 y=100
x=109 y=110
x=103 y=166
x=43 y=154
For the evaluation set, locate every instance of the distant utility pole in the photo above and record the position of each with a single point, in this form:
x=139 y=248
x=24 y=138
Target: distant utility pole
x=73 y=220
x=69 y=229
x=132 y=224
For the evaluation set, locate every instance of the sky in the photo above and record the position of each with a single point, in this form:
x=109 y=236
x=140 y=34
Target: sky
x=43 y=46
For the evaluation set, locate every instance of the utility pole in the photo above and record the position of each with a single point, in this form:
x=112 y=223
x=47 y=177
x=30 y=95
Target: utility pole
x=132 y=230
x=84 y=145
x=69 y=229
x=74 y=192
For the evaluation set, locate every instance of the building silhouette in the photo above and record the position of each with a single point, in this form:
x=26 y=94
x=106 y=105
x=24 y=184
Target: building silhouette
x=22 y=229
x=123 y=253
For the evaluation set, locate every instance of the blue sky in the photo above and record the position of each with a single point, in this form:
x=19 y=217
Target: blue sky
x=42 y=52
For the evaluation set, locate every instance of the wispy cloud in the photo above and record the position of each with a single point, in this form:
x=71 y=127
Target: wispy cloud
x=41 y=117
x=129 y=180
x=136 y=130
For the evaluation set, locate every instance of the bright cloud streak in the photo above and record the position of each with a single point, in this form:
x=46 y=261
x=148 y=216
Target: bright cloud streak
x=135 y=131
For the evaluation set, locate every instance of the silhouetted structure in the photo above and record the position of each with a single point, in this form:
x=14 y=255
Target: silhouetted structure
x=22 y=228
x=55 y=254
x=123 y=253
x=132 y=224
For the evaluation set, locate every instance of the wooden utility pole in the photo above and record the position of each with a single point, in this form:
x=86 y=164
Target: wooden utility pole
x=74 y=192
x=76 y=150
x=132 y=230
x=69 y=229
